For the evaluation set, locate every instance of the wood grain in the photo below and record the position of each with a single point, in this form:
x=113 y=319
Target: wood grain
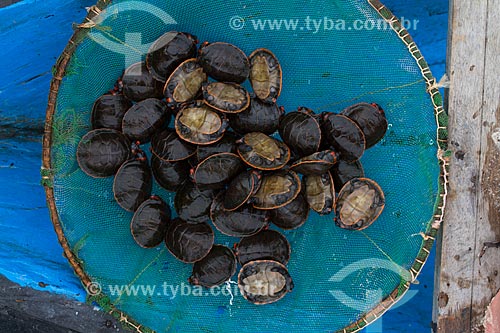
x=466 y=283
x=486 y=280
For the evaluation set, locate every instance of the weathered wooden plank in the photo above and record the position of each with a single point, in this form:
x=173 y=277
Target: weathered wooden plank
x=467 y=272
x=465 y=67
x=486 y=280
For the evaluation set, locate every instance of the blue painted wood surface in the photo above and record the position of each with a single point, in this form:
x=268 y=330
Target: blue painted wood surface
x=32 y=35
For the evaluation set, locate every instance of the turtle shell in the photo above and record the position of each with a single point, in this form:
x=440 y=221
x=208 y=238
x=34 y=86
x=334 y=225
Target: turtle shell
x=224 y=62
x=189 y=242
x=168 y=52
x=226 y=97
x=264 y=281
x=225 y=145
x=301 y=132
x=320 y=192
x=138 y=83
x=169 y=175
x=342 y=172
x=101 y=152
x=344 y=136
x=170 y=148
x=265 y=75
x=108 y=111
x=215 y=268
x=263 y=152
x=315 y=164
x=216 y=170
x=199 y=124
x=359 y=204
x=267 y=244
x=370 y=118
x=241 y=189
x=150 y=221
x=184 y=85
x=277 y=190
x=292 y=215
x=259 y=117
x=192 y=203
x=132 y=184
x=143 y=119
x=244 y=221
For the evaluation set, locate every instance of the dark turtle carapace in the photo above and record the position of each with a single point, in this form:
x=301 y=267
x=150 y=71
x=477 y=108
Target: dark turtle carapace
x=218 y=266
x=189 y=242
x=101 y=152
x=224 y=62
x=150 y=221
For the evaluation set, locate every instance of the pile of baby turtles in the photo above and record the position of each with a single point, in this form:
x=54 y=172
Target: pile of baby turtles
x=223 y=159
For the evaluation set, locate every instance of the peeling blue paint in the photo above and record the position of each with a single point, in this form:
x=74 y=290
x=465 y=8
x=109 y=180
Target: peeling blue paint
x=33 y=34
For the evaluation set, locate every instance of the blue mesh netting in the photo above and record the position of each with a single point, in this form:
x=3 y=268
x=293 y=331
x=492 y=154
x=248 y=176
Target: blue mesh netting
x=326 y=71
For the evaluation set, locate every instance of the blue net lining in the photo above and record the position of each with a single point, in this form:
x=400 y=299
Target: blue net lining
x=326 y=71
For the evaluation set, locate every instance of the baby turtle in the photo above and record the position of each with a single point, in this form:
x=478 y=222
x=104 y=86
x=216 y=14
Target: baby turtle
x=320 y=192
x=267 y=244
x=277 y=190
x=263 y=152
x=215 y=268
x=168 y=52
x=138 y=83
x=241 y=189
x=101 y=152
x=259 y=117
x=359 y=204
x=315 y=164
x=143 y=119
x=343 y=172
x=224 y=62
x=150 y=221
x=225 y=145
x=244 y=221
x=108 y=111
x=264 y=281
x=370 y=118
x=226 y=97
x=184 y=85
x=192 y=203
x=169 y=175
x=189 y=242
x=216 y=170
x=301 y=132
x=199 y=124
x=167 y=146
x=265 y=75
x=133 y=183
x=344 y=136
x=292 y=215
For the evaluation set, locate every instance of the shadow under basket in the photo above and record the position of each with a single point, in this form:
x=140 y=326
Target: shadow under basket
x=333 y=54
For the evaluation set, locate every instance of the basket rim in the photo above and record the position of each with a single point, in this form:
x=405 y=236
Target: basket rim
x=428 y=237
